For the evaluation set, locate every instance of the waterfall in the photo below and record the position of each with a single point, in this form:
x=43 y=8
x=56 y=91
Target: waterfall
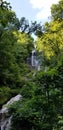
x=6 y=123
x=5 y=120
x=34 y=61
x=33 y=58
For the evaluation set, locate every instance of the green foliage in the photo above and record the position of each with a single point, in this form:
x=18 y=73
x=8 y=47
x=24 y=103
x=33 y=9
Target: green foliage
x=9 y=21
x=27 y=90
x=6 y=93
x=14 y=49
x=8 y=67
x=42 y=105
x=51 y=41
x=57 y=11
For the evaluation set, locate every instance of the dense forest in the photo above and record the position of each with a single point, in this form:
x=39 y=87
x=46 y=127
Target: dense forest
x=41 y=107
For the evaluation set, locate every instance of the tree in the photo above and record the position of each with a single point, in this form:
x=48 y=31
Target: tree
x=9 y=20
x=30 y=28
x=41 y=106
x=57 y=11
x=13 y=48
x=50 y=42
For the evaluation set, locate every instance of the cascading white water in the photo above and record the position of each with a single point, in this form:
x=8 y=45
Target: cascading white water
x=34 y=61
x=33 y=58
x=5 y=120
x=6 y=123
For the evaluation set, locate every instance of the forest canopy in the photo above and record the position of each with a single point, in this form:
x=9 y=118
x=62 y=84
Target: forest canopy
x=42 y=105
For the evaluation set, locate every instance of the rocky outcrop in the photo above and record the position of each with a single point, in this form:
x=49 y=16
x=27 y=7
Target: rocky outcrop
x=5 y=120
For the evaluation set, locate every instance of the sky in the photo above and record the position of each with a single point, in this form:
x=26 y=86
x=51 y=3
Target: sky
x=32 y=10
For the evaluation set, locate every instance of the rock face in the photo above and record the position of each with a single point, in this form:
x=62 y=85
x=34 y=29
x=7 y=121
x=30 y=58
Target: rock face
x=5 y=120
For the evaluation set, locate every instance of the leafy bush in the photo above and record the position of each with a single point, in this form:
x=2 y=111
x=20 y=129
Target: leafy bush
x=6 y=93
